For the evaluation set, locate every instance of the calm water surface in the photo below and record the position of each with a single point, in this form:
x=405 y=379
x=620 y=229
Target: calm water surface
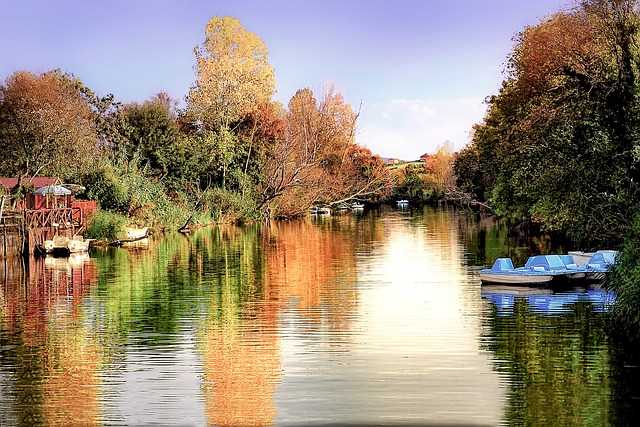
x=372 y=319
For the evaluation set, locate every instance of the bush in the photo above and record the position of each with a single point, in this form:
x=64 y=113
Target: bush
x=625 y=281
x=106 y=225
x=228 y=206
x=106 y=186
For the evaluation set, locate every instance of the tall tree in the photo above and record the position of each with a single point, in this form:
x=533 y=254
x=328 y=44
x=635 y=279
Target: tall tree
x=46 y=125
x=557 y=144
x=233 y=74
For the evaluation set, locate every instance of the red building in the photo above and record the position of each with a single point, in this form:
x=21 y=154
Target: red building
x=49 y=193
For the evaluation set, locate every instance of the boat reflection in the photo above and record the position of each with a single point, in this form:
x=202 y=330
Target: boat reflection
x=546 y=301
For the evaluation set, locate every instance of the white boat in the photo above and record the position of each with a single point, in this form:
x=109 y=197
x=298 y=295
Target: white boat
x=515 y=278
x=403 y=203
x=580 y=257
x=137 y=233
x=78 y=246
x=538 y=269
x=357 y=206
x=61 y=245
x=324 y=211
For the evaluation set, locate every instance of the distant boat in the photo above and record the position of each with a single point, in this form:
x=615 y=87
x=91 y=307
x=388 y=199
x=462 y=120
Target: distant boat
x=402 y=203
x=324 y=211
x=343 y=207
x=357 y=206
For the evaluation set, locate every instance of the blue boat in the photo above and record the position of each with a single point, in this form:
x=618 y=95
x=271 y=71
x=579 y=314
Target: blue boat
x=600 y=264
x=547 y=268
x=538 y=269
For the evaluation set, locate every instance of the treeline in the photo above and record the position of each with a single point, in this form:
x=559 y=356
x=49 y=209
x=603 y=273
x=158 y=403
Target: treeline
x=560 y=143
x=429 y=179
x=231 y=153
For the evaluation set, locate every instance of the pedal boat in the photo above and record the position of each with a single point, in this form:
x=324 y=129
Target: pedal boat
x=539 y=269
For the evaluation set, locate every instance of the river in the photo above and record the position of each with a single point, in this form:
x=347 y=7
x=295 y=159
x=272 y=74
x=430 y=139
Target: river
x=378 y=318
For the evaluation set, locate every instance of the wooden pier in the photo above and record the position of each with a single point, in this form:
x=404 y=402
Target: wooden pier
x=23 y=230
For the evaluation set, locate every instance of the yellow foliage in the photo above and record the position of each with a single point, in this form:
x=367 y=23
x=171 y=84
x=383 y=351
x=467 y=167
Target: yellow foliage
x=233 y=73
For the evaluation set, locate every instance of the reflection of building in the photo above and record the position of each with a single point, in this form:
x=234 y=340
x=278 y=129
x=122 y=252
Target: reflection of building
x=56 y=358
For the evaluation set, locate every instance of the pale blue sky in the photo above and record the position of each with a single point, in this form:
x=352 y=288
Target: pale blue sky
x=420 y=68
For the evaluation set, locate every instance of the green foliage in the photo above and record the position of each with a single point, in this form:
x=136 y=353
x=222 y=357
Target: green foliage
x=106 y=225
x=412 y=183
x=625 y=281
x=105 y=185
x=150 y=133
x=230 y=206
x=556 y=145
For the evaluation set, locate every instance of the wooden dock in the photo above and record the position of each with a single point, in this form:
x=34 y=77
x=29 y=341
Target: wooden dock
x=22 y=231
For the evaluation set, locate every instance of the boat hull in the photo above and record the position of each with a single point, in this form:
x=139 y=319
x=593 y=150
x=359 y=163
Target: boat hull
x=515 y=278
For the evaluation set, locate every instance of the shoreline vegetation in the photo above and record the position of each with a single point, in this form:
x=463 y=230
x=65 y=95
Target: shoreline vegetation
x=558 y=148
x=228 y=154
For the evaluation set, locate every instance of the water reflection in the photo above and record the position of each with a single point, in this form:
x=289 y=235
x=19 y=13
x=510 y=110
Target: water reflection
x=546 y=301
x=553 y=350
x=378 y=318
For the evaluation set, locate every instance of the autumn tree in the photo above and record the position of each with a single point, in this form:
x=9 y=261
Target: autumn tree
x=439 y=169
x=233 y=74
x=233 y=77
x=46 y=125
x=557 y=145
x=317 y=160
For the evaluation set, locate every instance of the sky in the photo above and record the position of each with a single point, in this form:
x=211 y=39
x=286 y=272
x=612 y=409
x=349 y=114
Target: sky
x=419 y=70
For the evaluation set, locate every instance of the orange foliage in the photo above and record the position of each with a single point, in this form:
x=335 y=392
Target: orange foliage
x=48 y=127
x=564 y=43
x=439 y=168
x=317 y=160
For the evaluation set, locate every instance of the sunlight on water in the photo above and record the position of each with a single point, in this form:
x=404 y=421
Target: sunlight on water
x=374 y=319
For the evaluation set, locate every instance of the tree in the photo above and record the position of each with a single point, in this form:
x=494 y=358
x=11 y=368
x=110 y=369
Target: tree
x=317 y=160
x=46 y=125
x=150 y=134
x=233 y=74
x=556 y=146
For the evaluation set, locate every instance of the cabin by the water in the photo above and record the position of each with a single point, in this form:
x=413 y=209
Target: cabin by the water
x=36 y=209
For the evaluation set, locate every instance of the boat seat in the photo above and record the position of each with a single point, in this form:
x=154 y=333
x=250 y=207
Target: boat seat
x=502 y=264
x=539 y=268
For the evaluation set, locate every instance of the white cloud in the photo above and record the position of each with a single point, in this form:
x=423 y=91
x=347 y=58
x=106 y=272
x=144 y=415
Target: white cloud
x=407 y=128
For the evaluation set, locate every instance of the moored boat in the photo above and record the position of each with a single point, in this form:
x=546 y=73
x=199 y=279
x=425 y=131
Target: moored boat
x=549 y=268
x=538 y=269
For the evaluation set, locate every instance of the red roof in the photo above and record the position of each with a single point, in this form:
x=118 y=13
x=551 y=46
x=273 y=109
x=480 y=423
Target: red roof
x=38 y=181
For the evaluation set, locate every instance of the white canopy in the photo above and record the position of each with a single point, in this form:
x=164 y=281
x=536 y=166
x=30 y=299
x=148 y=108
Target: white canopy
x=56 y=190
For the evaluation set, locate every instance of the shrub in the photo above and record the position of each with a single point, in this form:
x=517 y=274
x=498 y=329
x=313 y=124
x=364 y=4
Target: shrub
x=107 y=187
x=625 y=281
x=106 y=225
x=228 y=206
